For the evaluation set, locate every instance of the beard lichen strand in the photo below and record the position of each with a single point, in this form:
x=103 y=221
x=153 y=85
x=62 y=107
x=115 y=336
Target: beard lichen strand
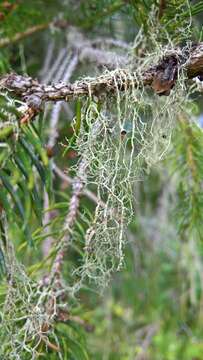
x=25 y=304
x=115 y=162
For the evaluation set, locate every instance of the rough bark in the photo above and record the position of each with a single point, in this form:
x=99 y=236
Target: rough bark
x=160 y=77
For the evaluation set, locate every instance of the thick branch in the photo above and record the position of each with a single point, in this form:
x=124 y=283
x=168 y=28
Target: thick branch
x=161 y=77
x=34 y=92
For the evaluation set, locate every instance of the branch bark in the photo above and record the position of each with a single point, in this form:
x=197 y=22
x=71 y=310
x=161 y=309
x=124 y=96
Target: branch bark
x=78 y=187
x=160 y=77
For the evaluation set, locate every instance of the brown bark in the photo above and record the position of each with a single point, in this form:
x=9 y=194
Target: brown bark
x=161 y=77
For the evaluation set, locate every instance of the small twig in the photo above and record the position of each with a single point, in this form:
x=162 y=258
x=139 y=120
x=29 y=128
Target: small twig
x=78 y=187
x=32 y=30
x=21 y=35
x=27 y=116
x=49 y=344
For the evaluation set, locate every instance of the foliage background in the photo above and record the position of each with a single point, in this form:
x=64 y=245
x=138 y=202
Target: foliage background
x=152 y=308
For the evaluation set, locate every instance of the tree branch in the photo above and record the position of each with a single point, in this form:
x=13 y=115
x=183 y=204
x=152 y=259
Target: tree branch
x=78 y=187
x=62 y=24
x=21 y=35
x=160 y=77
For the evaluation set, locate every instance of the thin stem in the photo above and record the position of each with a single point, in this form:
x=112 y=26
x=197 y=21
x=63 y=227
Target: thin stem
x=21 y=35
